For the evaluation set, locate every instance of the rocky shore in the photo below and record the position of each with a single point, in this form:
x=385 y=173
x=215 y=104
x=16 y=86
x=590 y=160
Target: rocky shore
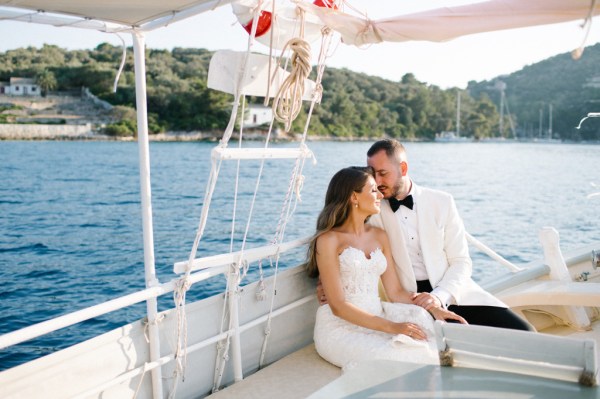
x=70 y=116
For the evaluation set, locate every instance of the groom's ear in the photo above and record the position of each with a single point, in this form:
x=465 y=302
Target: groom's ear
x=404 y=168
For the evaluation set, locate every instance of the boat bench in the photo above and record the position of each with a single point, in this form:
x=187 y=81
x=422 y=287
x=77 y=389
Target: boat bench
x=552 y=292
x=297 y=375
x=520 y=352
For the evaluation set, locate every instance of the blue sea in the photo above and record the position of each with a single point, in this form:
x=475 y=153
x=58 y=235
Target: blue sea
x=70 y=220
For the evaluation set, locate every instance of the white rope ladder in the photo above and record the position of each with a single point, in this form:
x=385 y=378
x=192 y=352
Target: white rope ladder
x=287 y=102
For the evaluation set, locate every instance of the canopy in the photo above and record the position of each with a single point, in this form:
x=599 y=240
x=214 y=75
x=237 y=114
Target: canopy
x=448 y=23
x=436 y=25
x=105 y=15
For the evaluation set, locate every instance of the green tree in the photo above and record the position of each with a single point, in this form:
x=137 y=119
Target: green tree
x=47 y=81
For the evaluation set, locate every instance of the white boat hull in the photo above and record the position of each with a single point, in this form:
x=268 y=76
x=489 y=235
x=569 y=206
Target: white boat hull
x=99 y=363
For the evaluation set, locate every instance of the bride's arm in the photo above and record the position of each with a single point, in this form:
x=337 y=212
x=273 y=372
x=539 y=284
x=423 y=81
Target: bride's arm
x=329 y=271
x=391 y=282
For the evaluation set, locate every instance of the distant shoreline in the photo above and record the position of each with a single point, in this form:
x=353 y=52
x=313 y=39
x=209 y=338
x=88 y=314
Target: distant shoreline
x=40 y=134
x=168 y=137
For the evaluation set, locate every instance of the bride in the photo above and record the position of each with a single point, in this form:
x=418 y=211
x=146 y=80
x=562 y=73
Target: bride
x=350 y=257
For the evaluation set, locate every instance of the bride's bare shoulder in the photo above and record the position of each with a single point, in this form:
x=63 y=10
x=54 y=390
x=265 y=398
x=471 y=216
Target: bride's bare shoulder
x=376 y=231
x=379 y=235
x=328 y=239
x=331 y=242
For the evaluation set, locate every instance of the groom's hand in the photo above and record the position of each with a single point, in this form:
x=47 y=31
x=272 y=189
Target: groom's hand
x=426 y=300
x=445 y=315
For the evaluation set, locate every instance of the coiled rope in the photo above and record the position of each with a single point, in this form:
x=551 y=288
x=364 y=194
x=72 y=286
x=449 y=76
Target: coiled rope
x=287 y=103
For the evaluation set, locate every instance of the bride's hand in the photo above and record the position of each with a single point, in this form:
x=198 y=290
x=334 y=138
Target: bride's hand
x=443 y=314
x=410 y=329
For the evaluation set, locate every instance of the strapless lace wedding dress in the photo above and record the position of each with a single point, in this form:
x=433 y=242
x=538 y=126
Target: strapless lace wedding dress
x=345 y=344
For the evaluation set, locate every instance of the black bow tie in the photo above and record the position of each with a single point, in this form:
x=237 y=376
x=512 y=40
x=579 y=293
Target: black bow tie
x=407 y=202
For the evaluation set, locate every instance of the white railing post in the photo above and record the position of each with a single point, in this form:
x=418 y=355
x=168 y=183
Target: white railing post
x=236 y=349
x=139 y=48
x=559 y=271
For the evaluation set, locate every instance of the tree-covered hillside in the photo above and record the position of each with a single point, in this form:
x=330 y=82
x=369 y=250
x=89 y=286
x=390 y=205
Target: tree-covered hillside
x=353 y=104
x=571 y=88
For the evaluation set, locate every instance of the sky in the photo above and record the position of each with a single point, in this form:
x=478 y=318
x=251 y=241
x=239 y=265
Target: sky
x=449 y=64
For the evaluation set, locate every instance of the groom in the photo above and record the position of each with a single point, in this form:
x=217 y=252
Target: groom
x=428 y=243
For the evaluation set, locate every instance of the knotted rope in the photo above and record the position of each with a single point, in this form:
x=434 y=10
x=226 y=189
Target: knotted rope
x=179 y=294
x=288 y=100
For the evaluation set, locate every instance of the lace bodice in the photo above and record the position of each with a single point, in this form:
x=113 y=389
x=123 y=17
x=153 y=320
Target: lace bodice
x=360 y=277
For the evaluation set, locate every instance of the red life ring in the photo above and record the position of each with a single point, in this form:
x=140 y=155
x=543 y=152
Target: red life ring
x=263 y=24
x=326 y=4
x=285 y=24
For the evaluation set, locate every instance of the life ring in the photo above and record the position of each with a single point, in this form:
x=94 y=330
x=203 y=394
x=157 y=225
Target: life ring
x=326 y=4
x=284 y=26
x=263 y=24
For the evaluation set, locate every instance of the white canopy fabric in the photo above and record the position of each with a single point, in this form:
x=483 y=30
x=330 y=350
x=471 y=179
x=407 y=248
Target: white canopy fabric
x=105 y=15
x=451 y=22
x=436 y=25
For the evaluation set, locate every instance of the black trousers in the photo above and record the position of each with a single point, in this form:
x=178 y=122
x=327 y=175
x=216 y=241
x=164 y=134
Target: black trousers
x=492 y=316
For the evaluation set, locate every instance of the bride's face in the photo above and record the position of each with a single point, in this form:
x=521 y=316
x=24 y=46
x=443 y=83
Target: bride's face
x=369 y=199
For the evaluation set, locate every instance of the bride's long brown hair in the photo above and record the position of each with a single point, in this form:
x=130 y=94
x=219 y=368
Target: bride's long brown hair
x=337 y=207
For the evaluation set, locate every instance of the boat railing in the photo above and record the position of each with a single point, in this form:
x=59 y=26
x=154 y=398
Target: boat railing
x=250 y=255
x=208 y=267
x=148 y=366
x=202 y=269
x=492 y=254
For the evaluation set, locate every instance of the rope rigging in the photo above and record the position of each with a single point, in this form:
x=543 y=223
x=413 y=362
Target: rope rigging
x=286 y=107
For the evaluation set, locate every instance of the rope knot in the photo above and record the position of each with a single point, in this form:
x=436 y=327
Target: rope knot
x=298 y=186
x=288 y=100
x=184 y=284
x=261 y=292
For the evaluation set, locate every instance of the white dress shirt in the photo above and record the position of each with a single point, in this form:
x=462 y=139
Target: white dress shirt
x=407 y=219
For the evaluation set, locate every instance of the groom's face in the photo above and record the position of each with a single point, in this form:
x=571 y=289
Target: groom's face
x=388 y=174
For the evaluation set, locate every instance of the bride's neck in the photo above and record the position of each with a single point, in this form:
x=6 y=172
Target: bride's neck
x=355 y=224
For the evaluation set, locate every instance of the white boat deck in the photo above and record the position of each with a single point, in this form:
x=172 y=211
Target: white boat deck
x=295 y=376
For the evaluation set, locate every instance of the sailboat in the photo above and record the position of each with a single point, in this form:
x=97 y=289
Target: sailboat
x=548 y=137
x=212 y=346
x=450 y=136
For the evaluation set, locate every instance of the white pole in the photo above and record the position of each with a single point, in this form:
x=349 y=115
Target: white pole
x=144 y=154
x=502 y=112
x=236 y=348
x=550 y=121
x=541 y=115
x=457 y=113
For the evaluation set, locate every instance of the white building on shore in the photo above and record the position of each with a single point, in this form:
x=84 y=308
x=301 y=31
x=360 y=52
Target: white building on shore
x=20 y=87
x=257 y=115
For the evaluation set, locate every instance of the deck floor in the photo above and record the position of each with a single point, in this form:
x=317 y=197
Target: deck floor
x=295 y=376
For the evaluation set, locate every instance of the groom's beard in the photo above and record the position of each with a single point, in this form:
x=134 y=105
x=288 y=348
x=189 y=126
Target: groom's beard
x=389 y=192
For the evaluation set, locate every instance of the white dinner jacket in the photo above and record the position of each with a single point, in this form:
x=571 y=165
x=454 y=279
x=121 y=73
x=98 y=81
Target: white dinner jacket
x=443 y=244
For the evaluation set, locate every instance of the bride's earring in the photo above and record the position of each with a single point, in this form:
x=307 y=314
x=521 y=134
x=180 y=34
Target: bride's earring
x=356 y=205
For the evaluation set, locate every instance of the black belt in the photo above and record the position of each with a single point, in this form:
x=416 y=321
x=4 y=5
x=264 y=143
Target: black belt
x=424 y=286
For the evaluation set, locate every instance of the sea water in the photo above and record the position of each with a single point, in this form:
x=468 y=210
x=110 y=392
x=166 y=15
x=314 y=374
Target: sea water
x=71 y=225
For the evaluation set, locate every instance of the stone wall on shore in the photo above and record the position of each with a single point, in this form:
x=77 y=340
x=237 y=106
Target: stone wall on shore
x=44 y=132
